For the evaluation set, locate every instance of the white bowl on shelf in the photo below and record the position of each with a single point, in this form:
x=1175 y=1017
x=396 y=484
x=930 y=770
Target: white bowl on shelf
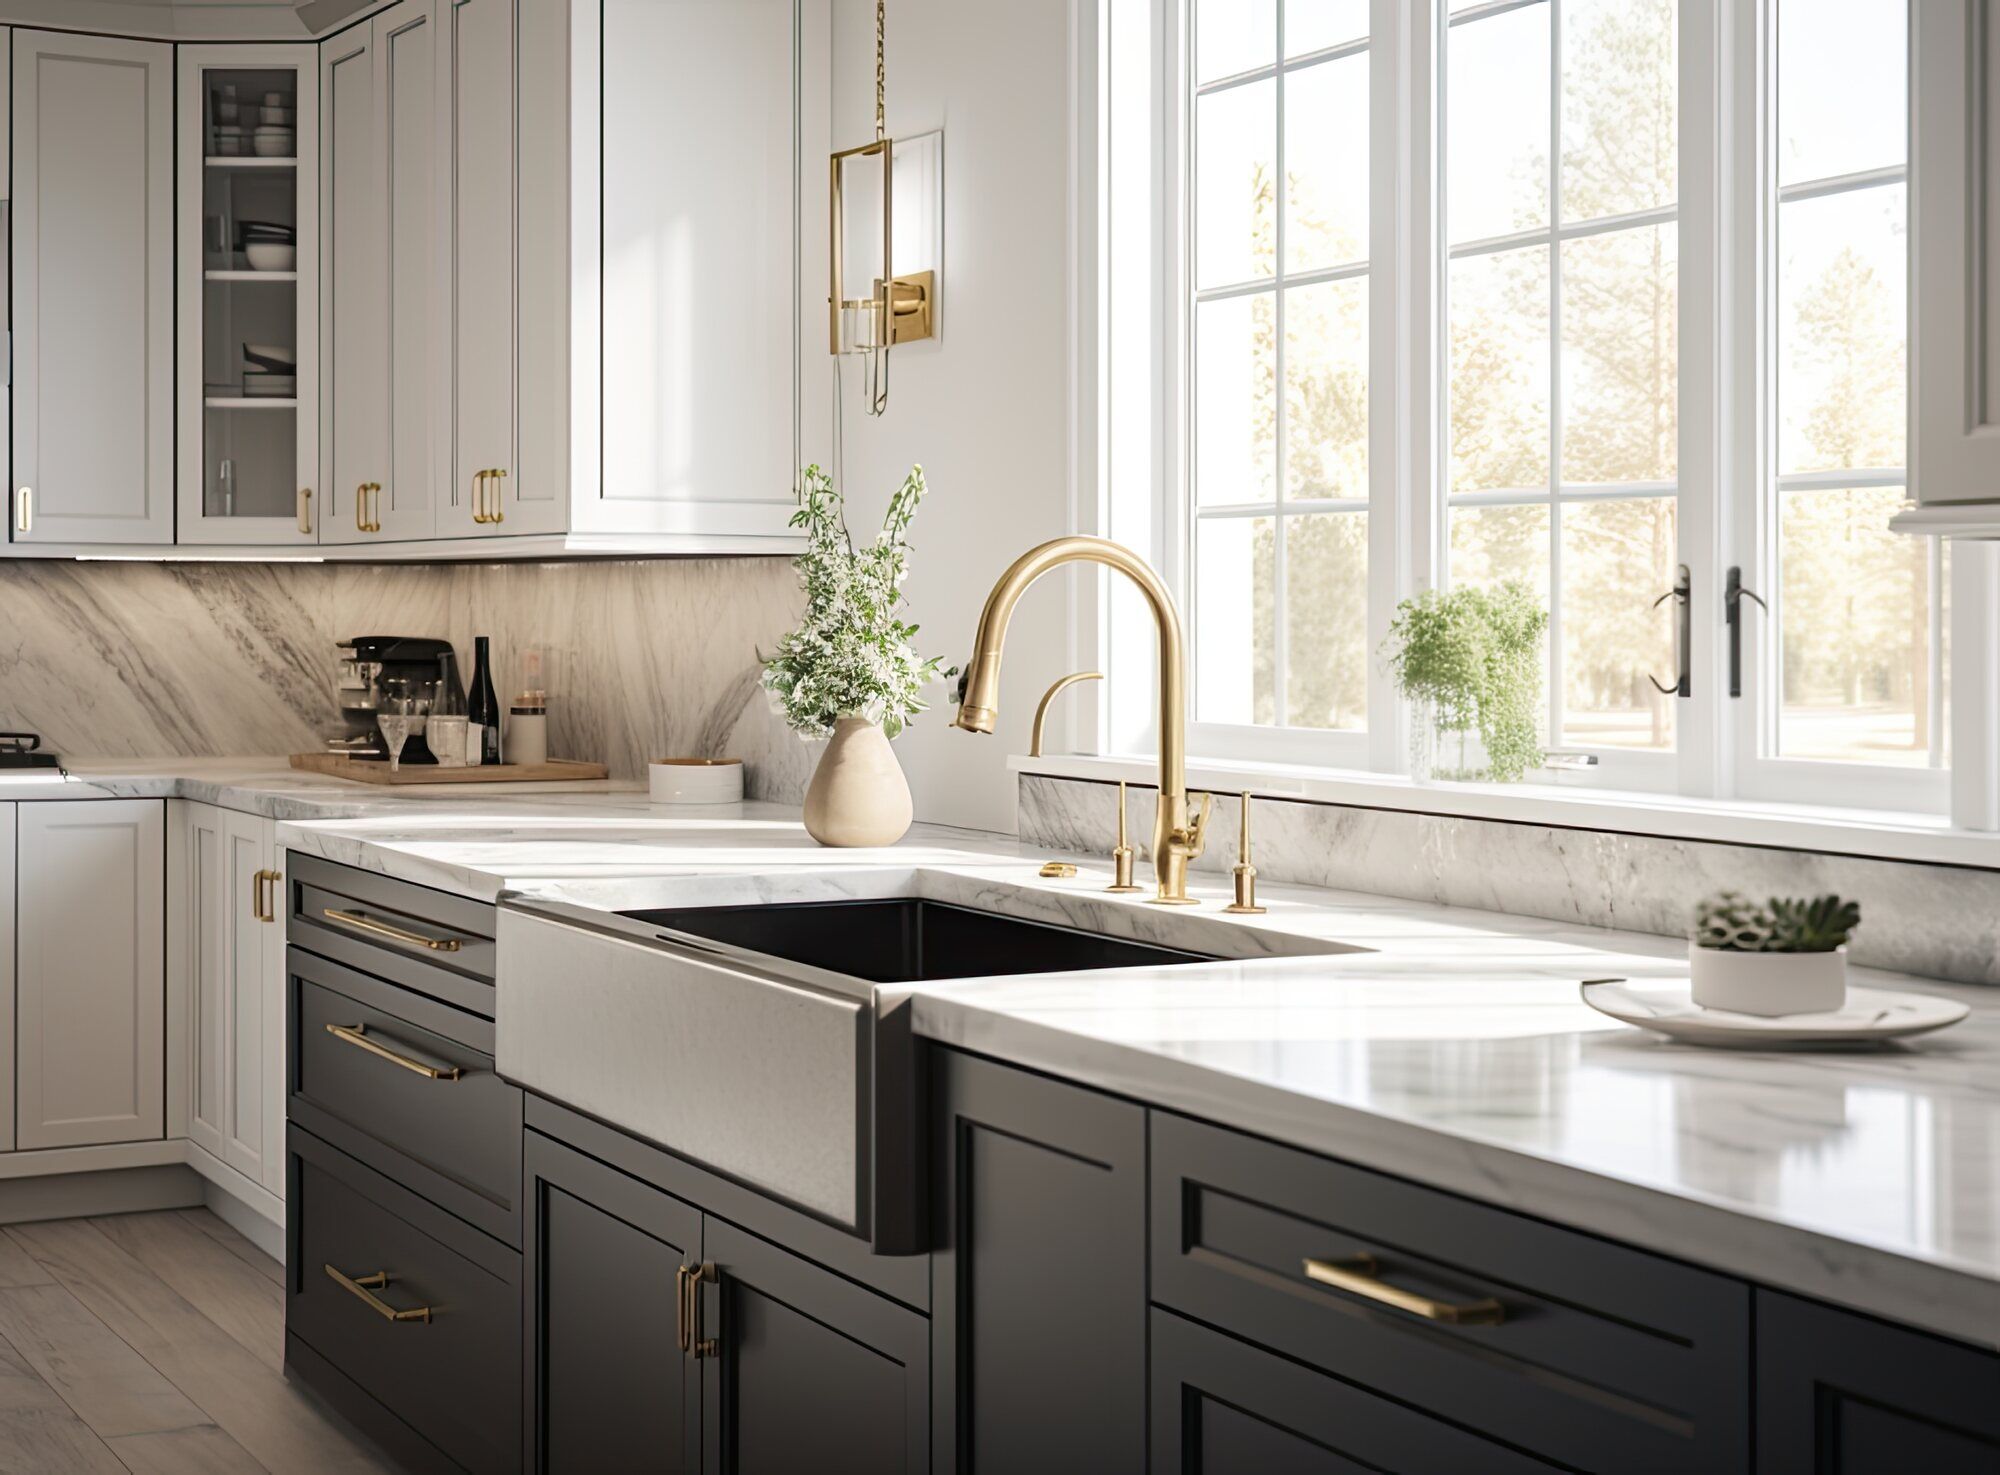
x=274 y=143
x=269 y=256
x=275 y=117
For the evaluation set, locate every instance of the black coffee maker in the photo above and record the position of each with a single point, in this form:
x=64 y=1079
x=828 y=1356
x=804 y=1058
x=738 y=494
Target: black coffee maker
x=373 y=667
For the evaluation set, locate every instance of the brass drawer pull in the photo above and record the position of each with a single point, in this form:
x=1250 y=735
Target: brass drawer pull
x=688 y=1281
x=394 y=934
x=1361 y=1275
x=357 y=1035
x=366 y=1287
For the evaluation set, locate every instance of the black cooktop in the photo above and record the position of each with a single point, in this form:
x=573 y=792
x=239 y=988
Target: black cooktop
x=24 y=750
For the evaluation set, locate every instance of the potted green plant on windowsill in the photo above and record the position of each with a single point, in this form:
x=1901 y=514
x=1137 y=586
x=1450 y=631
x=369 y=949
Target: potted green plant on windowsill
x=1468 y=660
x=849 y=671
x=1784 y=956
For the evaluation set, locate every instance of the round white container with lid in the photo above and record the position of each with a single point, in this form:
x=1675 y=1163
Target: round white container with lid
x=695 y=780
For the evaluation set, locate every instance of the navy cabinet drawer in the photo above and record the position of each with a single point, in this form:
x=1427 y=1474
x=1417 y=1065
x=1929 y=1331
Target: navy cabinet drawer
x=430 y=941
x=1574 y=1349
x=450 y=1367
x=1223 y=1407
x=407 y=1085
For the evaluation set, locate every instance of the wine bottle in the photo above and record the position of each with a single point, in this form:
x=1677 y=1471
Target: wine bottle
x=483 y=705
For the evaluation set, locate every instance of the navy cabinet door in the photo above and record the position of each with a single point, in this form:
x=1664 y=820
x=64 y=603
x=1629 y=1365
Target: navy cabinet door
x=608 y=1387
x=1840 y=1394
x=803 y=1370
x=1038 y=1273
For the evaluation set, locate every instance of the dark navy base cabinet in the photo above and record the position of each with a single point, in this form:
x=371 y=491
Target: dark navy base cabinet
x=608 y=1387
x=773 y=1365
x=1038 y=1273
x=486 y=1281
x=1840 y=1394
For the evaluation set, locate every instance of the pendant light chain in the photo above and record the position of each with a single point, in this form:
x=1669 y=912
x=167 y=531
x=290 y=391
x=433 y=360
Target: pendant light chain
x=881 y=73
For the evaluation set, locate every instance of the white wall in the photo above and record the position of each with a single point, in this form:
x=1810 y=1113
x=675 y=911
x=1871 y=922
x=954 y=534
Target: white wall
x=984 y=407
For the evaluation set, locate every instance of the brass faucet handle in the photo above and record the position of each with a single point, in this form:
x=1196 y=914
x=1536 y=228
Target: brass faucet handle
x=1196 y=834
x=1121 y=853
x=1243 y=873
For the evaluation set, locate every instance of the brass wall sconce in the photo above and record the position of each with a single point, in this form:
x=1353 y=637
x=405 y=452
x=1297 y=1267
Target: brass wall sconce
x=870 y=307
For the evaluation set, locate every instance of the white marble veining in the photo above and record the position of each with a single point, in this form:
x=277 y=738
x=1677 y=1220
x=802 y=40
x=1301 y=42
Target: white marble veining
x=129 y=660
x=1451 y=1048
x=1942 y=921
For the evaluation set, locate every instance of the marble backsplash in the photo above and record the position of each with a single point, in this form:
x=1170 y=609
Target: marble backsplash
x=1937 y=920
x=644 y=659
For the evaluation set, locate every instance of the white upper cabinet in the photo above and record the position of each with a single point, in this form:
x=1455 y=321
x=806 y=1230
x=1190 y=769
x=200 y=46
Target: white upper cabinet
x=476 y=77
x=93 y=139
x=559 y=267
x=248 y=265
x=1955 y=218
x=379 y=193
x=701 y=322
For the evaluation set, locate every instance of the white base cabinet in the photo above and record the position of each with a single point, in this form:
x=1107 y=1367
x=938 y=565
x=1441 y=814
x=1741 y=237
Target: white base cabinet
x=90 y=954
x=227 y=941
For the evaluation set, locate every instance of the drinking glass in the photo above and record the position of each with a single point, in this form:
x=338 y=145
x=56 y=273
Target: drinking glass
x=396 y=727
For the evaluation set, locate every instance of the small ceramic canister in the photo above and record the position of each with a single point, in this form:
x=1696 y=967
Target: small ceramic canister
x=695 y=780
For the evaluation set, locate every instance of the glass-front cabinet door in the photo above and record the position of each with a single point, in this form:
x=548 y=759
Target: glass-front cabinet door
x=248 y=386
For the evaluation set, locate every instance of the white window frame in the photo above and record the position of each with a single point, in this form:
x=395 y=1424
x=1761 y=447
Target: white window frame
x=1752 y=534
x=1133 y=466
x=1377 y=746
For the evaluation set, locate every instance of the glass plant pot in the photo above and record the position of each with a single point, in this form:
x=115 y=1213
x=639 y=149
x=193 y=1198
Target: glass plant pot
x=1444 y=754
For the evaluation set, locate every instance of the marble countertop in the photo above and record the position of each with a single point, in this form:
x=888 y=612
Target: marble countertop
x=1450 y=1048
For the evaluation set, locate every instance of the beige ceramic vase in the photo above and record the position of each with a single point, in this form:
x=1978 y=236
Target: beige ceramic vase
x=858 y=794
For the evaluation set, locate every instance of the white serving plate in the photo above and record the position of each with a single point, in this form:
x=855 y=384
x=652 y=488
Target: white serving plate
x=1667 y=1006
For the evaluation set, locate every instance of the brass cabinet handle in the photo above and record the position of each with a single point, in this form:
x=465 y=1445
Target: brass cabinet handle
x=395 y=934
x=24 y=510
x=364 y=521
x=357 y=1035
x=375 y=507
x=365 y=1288
x=479 y=496
x=499 y=513
x=264 y=905
x=1361 y=1275
x=682 y=1333
x=305 y=509
x=693 y=1278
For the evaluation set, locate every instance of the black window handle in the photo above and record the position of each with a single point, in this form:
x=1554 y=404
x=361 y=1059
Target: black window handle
x=1733 y=595
x=1683 y=594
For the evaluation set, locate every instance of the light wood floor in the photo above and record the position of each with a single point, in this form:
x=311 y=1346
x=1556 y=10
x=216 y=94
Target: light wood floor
x=152 y=1343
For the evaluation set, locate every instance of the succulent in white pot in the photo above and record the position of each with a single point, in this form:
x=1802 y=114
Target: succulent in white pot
x=849 y=671
x=1787 y=955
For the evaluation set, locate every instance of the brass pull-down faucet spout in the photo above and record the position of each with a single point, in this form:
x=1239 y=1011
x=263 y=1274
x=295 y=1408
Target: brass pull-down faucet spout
x=1178 y=835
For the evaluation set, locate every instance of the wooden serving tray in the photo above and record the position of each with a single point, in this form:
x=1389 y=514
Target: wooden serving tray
x=376 y=771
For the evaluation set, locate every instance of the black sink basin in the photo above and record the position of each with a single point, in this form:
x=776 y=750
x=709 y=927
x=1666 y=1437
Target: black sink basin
x=909 y=939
